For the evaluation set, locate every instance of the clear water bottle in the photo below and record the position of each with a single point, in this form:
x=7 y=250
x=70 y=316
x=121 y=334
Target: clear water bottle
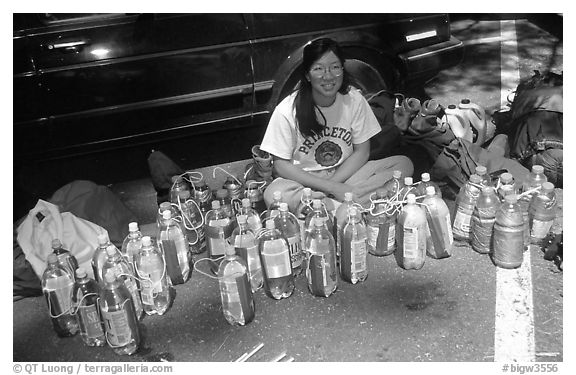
x=408 y=188
x=174 y=246
x=100 y=256
x=58 y=286
x=218 y=228
x=353 y=251
x=508 y=234
x=178 y=186
x=119 y=315
x=288 y=225
x=252 y=217
x=234 y=187
x=118 y=266
x=65 y=257
x=223 y=197
x=318 y=212
x=274 y=208
x=381 y=227
x=483 y=218
x=304 y=208
x=203 y=196
x=255 y=196
x=411 y=236
x=465 y=202
x=506 y=179
x=340 y=218
x=154 y=281
x=439 y=233
x=276 y=264
x=421 y=191
x=165 y=206
x=542 y=212
x=235 y=291
x=192 y=222
x=132 y=243
x=246 y=246
x=321 y=268
x=85 y=298
x=533 y=181
x=395 y=184
x=481 y=171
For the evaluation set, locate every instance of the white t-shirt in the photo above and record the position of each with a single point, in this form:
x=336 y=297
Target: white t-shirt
x=349 y=120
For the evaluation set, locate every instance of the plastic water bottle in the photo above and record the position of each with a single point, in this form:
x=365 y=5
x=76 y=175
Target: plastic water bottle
x=276 y=263
x=255 y=196
x=57 y=286
x=165 y=206
x=252 y=217
x=381 y=227
x=174 y=246
x=481 y=171
x=178 y=186
x=533 y=181
x=304 y=208
x=132 y=243
x=340 y=218
x=288 y=225
x=65 y=257
x=424 y=183
x=154 y=281
x=318 y=211
x=483 y=218
x=274 y=208
x=508 y=234
x=202 y=195
x=85 y=298
x=440 y=238
x=353 y=253
x=411 y=236
x=218 y=228
x=395 y=184
x=408 y=188
x=100 y=256
x=246 y=246
x=321 y=269
x=119 y=315
x=542 y=212
x=223 y=197
x=506 y=179
x=235 y=291
x=192 y=222
x=465 y=202
x=118 y=266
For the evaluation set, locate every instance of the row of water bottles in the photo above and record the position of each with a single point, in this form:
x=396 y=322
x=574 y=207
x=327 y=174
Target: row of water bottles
x=504 y=218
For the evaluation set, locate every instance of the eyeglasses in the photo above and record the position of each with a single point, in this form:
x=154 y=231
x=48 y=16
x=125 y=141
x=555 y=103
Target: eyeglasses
x=318 y=71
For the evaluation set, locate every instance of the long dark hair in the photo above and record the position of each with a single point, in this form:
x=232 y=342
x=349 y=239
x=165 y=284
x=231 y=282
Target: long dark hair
x=304 y=105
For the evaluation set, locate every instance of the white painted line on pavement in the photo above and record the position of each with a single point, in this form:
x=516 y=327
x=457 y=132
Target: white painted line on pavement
x=514 y=325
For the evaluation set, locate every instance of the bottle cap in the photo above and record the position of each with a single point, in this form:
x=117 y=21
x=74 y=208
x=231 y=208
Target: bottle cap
x=548 y=187
x=452 y=106
x=506 y=178
x=164 y=206
x=103 y=239
x=475 y=179
x=146 y=241
x=109 y=277
x=241 y=219
x=307 y=192
x=538 y=169
x=318 y=195
x=486 y=190
x=166 y=215
x=318 y=222
x=270 y=224
x=411 y=198
x=348 y=196
x=221 y=193
x=111 y=250
x=506 y=190
x=246 y=202
x=215 y=205
x=408 y=181
x=430 y=190
x=353 y=211
x=184 y=194
x=283 y=206
x=397 y=174
x=81 y=272
x=316 y=203
x=381 y=193
x=133 y=226
x=511 y=198
x=425 y=177
x=465 y=101
x=480 y=170
x=56 y=243
x=277 y=195
x=52 y=258
x=176 y=179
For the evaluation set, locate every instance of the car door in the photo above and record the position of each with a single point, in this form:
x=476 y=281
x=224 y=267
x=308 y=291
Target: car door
x=91 y=82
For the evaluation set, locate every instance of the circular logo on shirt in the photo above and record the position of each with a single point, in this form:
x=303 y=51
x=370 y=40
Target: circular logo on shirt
x=328 y=153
